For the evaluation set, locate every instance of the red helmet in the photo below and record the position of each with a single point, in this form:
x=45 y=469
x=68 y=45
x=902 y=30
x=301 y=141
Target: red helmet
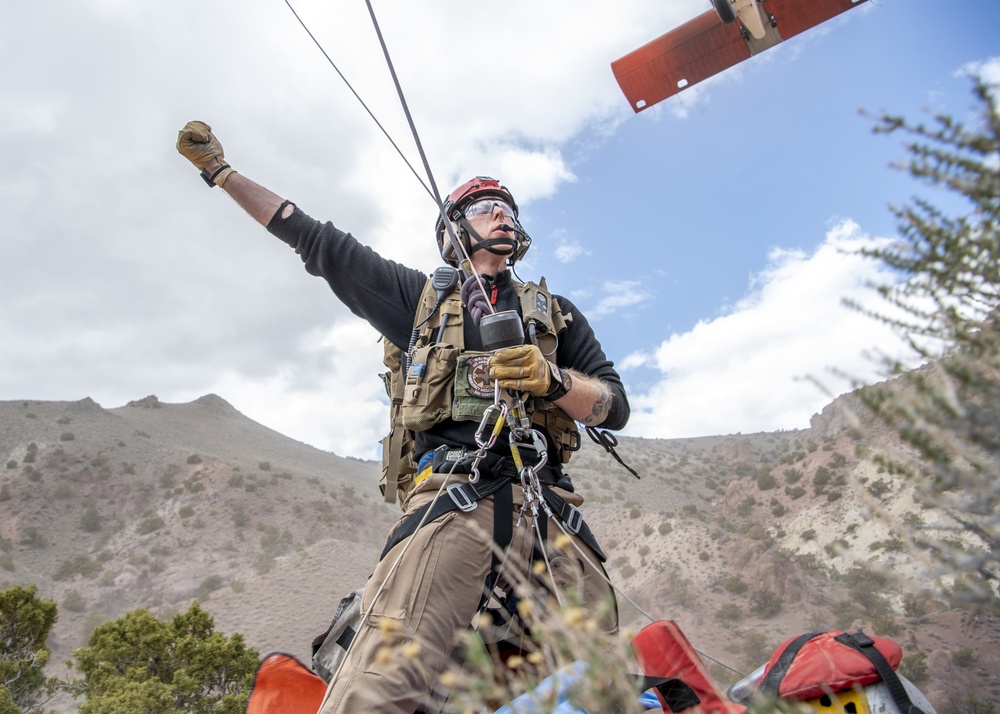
x=473 y=190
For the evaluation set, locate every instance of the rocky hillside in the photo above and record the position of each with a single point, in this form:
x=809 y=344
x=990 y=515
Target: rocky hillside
x=744 y=540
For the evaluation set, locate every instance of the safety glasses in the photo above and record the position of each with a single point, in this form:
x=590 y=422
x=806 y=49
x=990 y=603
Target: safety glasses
x=486 y=205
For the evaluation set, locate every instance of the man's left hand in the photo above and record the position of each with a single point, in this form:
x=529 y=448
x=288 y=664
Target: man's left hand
x=522 y=369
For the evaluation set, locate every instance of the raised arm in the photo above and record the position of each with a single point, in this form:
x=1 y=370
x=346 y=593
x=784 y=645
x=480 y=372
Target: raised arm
x=199 y=145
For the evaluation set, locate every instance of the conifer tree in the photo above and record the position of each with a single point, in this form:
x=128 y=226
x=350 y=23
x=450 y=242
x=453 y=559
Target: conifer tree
x=141 y=663
x=947 y=413
x=25 y=622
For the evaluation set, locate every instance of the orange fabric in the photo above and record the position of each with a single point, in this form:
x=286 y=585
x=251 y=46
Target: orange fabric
x=824 y=665
x=662 y=650
x=283 y=685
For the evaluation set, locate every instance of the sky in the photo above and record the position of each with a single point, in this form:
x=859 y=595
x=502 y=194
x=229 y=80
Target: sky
x=710 y=240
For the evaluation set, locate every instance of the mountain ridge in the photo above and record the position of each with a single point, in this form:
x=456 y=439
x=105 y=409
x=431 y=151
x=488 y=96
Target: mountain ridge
x=743 y=539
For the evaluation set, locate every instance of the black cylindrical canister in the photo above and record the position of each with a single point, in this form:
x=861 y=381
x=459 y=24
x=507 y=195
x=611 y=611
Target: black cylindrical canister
x=501 y=329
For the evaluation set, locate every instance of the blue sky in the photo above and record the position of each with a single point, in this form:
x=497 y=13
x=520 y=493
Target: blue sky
x=708 y=239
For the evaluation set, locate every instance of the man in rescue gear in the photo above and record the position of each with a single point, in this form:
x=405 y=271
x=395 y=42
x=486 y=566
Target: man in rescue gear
x=429 y=585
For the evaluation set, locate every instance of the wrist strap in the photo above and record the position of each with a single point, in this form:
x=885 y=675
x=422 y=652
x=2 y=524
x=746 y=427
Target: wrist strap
x=557 y=387
x=210 y=177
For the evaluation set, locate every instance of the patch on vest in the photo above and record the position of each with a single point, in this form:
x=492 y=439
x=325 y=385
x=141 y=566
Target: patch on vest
x=477 y=377
x=473 y=387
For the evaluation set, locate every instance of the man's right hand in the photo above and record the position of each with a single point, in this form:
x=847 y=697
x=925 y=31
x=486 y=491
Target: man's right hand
x=198 y=144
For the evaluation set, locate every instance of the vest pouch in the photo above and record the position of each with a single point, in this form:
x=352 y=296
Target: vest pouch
x=474 y=389
x=427 y=396
x=562 y=431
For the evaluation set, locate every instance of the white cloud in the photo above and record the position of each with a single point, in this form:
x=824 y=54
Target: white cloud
x=617 y=297
x=753 y=369
x=988 y=70
x=566 y=250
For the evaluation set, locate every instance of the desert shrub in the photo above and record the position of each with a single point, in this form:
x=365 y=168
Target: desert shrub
x=194 y=459
x=664 y=528
x=879 y=488
x=735 y=584
x=628 y=571
x=90 y=521
x=67 y=436
x=766 y=481
x=820 y=479
x=793 y=476
x=808 y=534
x=33 y=537
x=886 y=626
x=210 y=585
x=634 y=513
x=77 y=565
x=186 y=511
x=150 y=524
x=914 y=666
x=764 y=603
x=963 y=656
x=264 y=466
x=12 y=464
x=795 y=492
x=73 y=602
x=729 y=612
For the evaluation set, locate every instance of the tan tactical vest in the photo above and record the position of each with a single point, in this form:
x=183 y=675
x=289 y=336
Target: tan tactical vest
x=445 y=381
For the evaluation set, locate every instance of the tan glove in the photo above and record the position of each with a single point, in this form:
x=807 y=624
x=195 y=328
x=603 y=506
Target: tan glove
x=523 y=369
x=198 y=144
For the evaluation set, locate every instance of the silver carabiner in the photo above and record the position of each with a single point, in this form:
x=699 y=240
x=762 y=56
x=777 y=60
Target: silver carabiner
x=497 y=427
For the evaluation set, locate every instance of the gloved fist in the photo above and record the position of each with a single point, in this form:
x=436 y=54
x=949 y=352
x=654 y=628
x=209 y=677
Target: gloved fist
x=198 y=144
x=522 y=369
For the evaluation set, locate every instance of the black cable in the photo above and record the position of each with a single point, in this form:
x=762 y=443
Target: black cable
x=358 y=97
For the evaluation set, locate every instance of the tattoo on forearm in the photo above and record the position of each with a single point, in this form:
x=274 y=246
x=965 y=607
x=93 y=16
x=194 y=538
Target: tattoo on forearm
x=602 y=405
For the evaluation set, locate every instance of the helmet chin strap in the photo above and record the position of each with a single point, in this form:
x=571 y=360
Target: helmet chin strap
x=497 y=246
x=493 y=246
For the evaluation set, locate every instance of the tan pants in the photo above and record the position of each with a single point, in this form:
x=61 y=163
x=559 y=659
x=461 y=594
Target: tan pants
x=431 y=597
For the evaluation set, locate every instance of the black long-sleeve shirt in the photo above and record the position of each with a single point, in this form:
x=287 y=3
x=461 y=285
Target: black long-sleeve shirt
x=386 y=294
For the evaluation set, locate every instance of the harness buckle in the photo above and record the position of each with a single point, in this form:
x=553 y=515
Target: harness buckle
x=574 y=521
x=461 y=498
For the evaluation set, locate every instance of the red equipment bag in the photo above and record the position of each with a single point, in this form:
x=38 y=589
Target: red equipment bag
x=817 y=663
x=663 y=652
x=283 y=685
